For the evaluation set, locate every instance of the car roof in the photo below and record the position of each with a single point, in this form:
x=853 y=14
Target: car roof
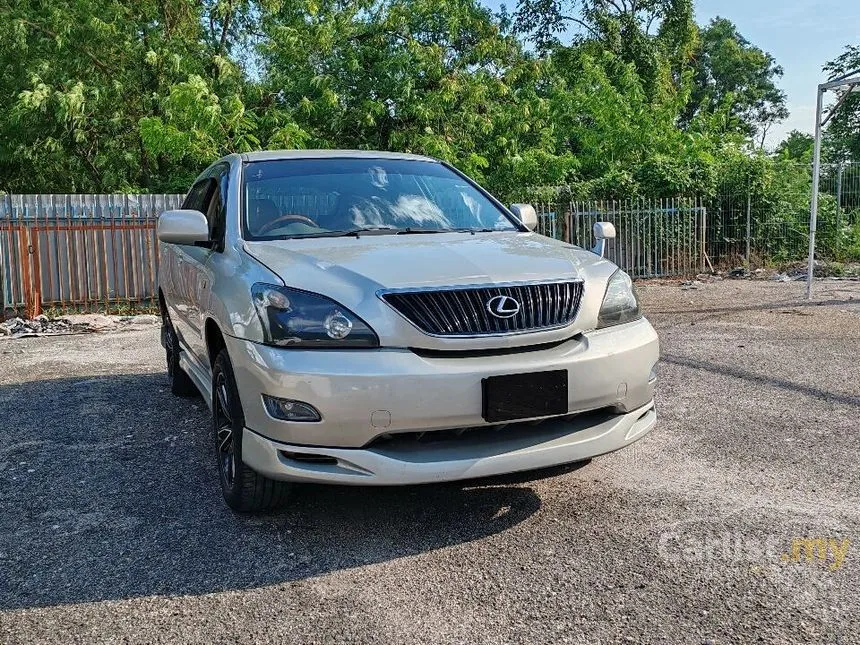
x=274 y=155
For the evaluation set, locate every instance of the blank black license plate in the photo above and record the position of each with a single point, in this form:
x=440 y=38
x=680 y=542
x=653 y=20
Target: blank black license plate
x=524 y=396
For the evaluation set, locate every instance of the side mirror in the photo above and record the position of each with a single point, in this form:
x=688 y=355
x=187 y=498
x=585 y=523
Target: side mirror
x=526 y=214
x=602 y=231
x=183 y=226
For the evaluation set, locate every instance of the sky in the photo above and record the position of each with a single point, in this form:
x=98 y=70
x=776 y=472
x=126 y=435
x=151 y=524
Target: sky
x=801 y=34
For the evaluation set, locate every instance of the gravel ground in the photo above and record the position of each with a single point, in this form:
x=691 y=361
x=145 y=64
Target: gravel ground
x=112 y=529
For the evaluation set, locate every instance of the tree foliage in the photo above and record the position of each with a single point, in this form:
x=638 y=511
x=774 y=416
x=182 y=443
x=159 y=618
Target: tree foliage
x=733 y=74
x=843 y=132
x=114 y=95
x=797 y=146
x=117 y=95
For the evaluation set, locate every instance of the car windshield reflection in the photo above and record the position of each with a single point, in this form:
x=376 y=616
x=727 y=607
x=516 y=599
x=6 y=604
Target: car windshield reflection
x=352 y=197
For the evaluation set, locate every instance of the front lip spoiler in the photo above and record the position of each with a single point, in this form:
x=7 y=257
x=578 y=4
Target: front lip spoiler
x=553 y=443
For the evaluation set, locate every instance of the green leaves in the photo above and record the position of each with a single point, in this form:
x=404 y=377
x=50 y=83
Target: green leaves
x=416 y=75
x=734 y=77
x=116 y=95
x=842 y=140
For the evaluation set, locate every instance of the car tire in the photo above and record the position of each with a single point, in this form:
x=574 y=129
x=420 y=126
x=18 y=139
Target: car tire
x=244 y=489
x=180 y=383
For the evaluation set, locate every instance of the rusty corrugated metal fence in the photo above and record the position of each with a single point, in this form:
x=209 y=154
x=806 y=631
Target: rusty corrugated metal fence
x=87 y=251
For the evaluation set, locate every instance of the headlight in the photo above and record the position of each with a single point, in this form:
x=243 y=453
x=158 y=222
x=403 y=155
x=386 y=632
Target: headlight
x=293 y=318
x=620 y=304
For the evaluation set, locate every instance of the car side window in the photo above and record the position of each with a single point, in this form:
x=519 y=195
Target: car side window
x=216 y=214
x=199 y=195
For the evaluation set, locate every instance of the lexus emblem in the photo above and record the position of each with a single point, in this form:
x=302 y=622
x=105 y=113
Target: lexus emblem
x=503 y=307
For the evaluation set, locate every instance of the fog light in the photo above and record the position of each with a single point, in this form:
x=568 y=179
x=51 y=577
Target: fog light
x=289 y=410
x=652 y=377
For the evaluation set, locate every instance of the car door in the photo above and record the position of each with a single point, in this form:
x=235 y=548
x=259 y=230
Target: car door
x=182 y=283
x=202 y=259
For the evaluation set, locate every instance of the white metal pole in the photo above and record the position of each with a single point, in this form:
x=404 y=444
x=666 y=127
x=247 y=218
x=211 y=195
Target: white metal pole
x=813 y=207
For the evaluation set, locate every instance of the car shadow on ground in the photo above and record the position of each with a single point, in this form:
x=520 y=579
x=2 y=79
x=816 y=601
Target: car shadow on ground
x=768 y=380
x=742 y=307
x=109 y=491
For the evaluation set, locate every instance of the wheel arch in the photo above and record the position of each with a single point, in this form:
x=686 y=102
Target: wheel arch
x=214 y=338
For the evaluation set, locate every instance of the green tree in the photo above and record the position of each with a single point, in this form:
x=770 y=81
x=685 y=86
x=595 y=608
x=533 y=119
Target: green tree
x=112 y=95
x=732 y=74
x=428 y=76
x=843 y=131
x=645 y=33
x=626 y=143
x=797 y=146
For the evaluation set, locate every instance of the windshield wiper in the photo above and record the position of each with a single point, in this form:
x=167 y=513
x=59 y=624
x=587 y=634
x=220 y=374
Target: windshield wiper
x=365 y=230
x=469 y=230
x=408 y=231
x=417 y=231
x=389 y=230
x=393 y=230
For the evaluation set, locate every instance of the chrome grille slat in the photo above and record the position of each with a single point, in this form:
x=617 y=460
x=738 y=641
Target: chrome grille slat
x=474 y=316
x=576 y=296
x=531 y=307
x=562 y=300
x=540 y=307
x=440 y=310
x=556 y=310
x=572 y=297
x=429 y=316
x=461 y=318
x=462 y=311
x=547 y=303
x=481 y=304
x=415 y=312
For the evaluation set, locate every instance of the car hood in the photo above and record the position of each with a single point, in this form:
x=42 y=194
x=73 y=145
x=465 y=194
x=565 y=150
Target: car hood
x=352 y=271
x=374 y=262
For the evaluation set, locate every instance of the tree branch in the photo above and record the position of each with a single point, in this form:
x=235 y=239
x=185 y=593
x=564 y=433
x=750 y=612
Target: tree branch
x=617 y=8
x=764 y=128
x=225 y=27
x=581 y=24
x=165 y=17
x=651 y=19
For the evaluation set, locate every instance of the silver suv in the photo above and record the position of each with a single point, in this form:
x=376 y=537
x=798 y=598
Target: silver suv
x=378 y=318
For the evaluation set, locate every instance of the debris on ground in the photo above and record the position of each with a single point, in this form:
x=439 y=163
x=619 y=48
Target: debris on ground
x=708 y=277
x=42 y=325
x=38 y=326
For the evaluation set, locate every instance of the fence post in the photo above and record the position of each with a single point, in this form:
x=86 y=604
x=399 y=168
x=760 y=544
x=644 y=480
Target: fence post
x=839 y=208
x=749 y=208
x=7 y=216
x=702 y=239
x=568 y=220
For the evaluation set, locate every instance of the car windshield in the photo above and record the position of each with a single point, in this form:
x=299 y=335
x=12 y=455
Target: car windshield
x=352 y=196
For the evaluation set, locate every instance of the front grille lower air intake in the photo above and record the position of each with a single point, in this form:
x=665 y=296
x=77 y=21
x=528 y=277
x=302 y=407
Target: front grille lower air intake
x=469 y=311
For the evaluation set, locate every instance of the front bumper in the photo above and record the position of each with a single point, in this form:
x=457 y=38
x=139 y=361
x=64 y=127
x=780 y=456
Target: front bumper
x=516 y=448
x=363 y=394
